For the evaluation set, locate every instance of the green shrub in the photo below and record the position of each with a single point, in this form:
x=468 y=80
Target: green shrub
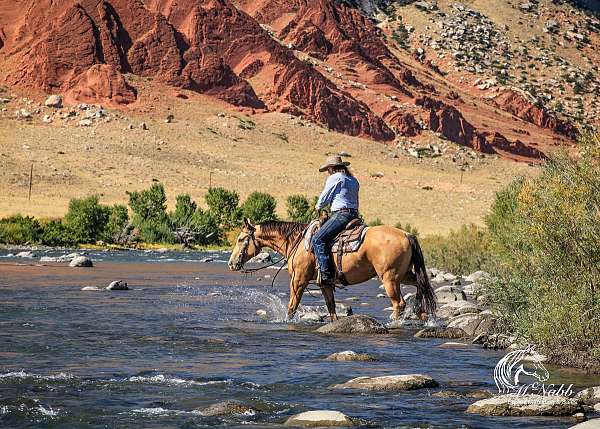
x=55 y=233
x=299 y=209
x=545 y=233
x=115 y=230
x=259 y=207
x=192 y=225
x=19 y=230
x=153 y=231
x=223 y=205
x=376 y=222
x=86 y=219
x=149 y=205
x=461 y=252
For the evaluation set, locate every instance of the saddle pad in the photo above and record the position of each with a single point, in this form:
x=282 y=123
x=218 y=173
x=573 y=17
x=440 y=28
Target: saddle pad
x=353 y=238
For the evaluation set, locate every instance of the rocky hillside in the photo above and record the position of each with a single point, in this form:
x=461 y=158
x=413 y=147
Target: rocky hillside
x=515 y=79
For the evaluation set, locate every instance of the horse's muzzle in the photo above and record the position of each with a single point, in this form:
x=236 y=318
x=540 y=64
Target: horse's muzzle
x=235 y=266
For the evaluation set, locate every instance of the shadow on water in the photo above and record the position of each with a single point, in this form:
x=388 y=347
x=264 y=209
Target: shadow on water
x=188 y=335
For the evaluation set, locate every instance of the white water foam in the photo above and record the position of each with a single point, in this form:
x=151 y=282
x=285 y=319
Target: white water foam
x=23 y=375
x=174 y=381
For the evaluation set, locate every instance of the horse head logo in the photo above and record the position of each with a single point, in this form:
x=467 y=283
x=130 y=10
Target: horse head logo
x=512 y=366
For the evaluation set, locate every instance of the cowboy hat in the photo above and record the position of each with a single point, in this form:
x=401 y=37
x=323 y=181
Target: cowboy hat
x=333 y=161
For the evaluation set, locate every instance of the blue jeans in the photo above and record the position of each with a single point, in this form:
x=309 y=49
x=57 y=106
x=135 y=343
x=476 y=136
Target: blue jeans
x=321 y=241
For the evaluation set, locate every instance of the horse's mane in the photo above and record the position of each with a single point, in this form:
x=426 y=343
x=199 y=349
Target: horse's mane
x=287 y=229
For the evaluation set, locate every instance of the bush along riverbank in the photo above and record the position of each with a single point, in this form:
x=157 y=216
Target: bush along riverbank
x=146 y=223
x=542 y=250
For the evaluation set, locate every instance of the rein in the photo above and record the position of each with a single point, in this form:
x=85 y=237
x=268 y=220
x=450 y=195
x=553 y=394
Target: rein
x=285 y=258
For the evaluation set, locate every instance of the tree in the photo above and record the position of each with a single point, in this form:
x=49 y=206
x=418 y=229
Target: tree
x=86 y=219
x=259 y=207
x=150 y=204
x=223 y=205
x=298 y=208
x=185 y=208
x=116 y=227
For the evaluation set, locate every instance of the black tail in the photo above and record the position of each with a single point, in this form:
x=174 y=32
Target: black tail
x=425 y=294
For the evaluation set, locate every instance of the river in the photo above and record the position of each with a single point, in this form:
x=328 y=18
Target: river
x=187 y=335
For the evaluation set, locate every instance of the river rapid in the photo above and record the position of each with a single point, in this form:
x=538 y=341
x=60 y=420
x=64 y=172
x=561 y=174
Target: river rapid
x=187 y=335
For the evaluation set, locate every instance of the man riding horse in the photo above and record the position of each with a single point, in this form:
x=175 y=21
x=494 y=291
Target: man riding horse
x=341 y=194
x=389 y=253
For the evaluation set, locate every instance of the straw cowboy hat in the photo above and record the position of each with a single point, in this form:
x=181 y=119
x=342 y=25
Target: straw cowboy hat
x=333 y=161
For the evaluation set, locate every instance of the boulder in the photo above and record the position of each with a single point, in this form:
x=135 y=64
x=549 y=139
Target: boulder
x=389 y=383
x=472 y=288
x=261 y=258
x=589 y=396
x=117 y=285
x=320 y=418
x=50 y=259
x=441 y=333
x=525 y=405
x=90 y=288
x=26 y=254
x=54 y=101
x=446 y=294
x=477 y=276
x=456 y=308
x=357 y=324
x=349 y=355
x=81 y=261
x=473 y=324
x=226 y=408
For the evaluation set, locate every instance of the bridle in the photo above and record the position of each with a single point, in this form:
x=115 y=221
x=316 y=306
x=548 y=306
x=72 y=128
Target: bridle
x=244 y=250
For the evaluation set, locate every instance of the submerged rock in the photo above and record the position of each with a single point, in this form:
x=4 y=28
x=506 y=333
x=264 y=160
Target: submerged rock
x=525 y=405
x=226 y=408
x=357 y=324
x=90 y=288
x=320 y=418
x=389 y=382
x=81 y=261
x=350 y=355
x=117 y=285
x=319 y=313
x=451 y=333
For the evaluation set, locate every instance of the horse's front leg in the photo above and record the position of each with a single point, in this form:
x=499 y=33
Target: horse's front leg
x=330 y=302
x=296 y=292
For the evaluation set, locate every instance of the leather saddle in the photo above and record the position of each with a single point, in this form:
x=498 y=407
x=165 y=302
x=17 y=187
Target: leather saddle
x=348 y=240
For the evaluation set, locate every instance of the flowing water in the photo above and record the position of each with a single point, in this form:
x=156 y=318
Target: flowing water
x=187 y=335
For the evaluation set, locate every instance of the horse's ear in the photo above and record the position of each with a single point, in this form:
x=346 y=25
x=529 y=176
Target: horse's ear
x=248 y=224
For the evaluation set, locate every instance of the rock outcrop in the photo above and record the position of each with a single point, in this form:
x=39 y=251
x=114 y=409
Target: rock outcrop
x=392 y=383
x=517 y=104
x=84 y=48
x=357 y=324
x=525 y=405
x=320 y=418
x=349 y=355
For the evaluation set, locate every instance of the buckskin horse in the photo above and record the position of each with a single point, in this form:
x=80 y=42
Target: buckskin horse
x=390 y=253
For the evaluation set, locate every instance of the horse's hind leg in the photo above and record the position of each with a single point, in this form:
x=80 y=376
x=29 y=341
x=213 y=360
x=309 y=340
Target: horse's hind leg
x=392 y=289
x=330 y=301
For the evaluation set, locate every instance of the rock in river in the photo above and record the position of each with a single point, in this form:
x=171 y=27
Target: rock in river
x=226 y=408
x=441 y=333
x=389 y=382
x=357 y=324
x=525 y=405
x=349 y=355
x=589 y=396
x=81 y=261
x=261 y=258
x=117 y=285
x=320 y=418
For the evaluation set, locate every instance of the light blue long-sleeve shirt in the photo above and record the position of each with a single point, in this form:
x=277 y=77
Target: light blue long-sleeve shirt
x=340 y=191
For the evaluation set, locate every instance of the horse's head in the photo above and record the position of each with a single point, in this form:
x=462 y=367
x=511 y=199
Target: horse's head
x=245 y=247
